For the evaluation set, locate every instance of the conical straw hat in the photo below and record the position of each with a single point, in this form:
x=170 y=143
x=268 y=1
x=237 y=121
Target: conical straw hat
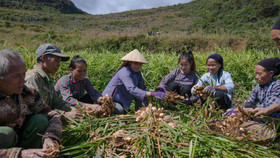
x=135 y=56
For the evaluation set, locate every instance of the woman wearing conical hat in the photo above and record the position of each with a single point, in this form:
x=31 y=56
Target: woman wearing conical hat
x=128 y=84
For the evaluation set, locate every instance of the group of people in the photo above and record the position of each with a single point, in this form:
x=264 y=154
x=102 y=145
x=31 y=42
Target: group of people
x=32 y=106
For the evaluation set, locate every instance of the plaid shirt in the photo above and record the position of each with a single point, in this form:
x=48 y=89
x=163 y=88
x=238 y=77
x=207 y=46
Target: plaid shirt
x=179 y=77
x=66 y=86
x=266 y=96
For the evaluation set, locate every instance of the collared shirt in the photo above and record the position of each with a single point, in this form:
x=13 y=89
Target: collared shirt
x=125 y=84
x=67 y=85
x=225 y=80
x=43 y=84
x=179 y=77
x=14 y=115
x=265 y=96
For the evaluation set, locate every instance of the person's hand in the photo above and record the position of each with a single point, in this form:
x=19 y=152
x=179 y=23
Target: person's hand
x=100 y=100
x=209 y=89
x=95 y=108
x=261 y=111
x=187 y=101
x=34 y=153
x=48 y=144
x=230 y=111
x=159 y=95
x=146 y=102
x=162 y=89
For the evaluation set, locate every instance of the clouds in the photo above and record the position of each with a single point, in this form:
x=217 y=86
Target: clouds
x=113 y=6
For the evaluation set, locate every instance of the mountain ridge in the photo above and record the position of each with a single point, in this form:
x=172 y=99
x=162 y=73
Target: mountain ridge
x=198 y=25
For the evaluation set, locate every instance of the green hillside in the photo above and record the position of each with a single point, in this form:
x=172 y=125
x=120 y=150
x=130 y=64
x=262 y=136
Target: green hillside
x=200 y=25
x=61 y=6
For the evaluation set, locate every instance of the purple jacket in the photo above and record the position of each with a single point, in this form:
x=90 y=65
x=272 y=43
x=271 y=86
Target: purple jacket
x=125 y=85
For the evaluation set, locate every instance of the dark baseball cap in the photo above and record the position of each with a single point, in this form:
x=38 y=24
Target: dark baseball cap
x=51 y=49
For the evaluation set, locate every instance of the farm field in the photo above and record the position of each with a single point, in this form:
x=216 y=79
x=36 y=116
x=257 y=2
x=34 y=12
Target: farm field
x=189 y=138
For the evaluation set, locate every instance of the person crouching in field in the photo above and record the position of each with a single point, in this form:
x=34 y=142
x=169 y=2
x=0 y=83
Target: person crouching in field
x=275 y=33
x=182 y=79
x=218 y=82
x=28 y=127
x=73 y=86
x=264 y=99
x=48 y=63
x=128 y=84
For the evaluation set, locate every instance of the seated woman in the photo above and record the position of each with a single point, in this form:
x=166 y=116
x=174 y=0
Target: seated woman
x=219 y=82
x=182 y=79
x=128 y=84
x=264 y=99
x=73 y=86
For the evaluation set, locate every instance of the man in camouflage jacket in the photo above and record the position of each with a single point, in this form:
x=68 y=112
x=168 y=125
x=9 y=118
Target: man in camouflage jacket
x=28 y=127
x=48 y=63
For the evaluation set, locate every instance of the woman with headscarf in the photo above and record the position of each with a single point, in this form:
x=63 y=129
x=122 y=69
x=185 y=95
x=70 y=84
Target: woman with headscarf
x=218 y=82
x=265 y=97
x=128 y=84
x=264 y=100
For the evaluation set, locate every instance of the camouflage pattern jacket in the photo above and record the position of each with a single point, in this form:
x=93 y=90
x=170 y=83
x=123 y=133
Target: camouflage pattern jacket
x=43 y=84
x=14 y=115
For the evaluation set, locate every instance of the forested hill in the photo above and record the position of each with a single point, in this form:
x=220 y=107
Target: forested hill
x=63 y=6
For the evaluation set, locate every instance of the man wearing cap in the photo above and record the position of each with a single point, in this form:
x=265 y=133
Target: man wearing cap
x=48 y=63
x=28 y=127
x=128 y=84
x=275 y=33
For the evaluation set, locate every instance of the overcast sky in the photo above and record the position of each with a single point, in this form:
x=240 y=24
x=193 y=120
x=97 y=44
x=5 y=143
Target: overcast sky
x=113 y=6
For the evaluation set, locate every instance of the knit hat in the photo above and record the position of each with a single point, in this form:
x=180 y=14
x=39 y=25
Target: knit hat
x=271 y=64
x=51 y=49
x=276 y=25
x=135 y=56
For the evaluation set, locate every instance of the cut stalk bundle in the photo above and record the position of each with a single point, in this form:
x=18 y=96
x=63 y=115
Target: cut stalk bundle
x=151 y=116
x=108 y=105
x=199 y=90
x=173 y=97
x=231 y=125
x=54 y=150
x=151 y=136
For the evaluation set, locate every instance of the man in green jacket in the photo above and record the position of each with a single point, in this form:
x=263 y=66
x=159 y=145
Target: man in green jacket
x=48 y=63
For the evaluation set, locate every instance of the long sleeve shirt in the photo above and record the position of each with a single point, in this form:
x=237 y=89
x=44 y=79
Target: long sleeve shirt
x=14 y=115
x=225 y=80
x=179 y=77
x=44 y=85
x=67 y=86
x=265 y=96
x=124 y=85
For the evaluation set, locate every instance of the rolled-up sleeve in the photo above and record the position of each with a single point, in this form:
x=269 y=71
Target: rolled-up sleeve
x=229 y=83
x=93 y=93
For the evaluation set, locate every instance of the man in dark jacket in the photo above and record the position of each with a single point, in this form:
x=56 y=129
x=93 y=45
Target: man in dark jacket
x=28 y=127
